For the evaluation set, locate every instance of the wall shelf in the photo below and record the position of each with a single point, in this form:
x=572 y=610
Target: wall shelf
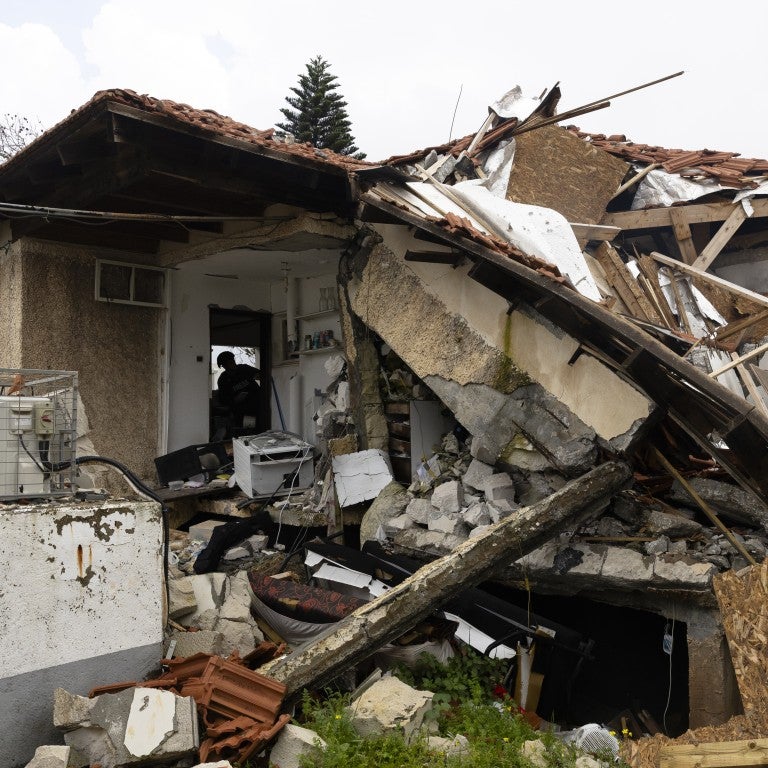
x=313 y=315
x=320 y=350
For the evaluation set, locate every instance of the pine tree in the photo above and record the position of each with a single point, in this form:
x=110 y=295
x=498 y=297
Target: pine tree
x=318 y=114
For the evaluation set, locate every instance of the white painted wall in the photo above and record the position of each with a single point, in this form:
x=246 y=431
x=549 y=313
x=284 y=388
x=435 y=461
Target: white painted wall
x=190 y=339
x=81 y=580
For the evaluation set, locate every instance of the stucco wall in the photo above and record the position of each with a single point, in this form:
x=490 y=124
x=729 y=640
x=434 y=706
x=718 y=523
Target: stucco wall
x=114 y=348
x=532 y=346
x=10 y=307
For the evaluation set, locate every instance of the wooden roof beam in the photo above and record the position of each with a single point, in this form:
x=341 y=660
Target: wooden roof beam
x=701 y=213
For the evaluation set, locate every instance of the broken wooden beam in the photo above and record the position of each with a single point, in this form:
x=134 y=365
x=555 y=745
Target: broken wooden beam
x=387 y=617
x=737 y=217
x=714 y=279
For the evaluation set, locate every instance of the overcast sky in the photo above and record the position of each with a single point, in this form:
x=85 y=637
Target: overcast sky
x=400 y=65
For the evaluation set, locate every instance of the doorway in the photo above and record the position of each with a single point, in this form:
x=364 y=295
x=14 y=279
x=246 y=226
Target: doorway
x=247 y=335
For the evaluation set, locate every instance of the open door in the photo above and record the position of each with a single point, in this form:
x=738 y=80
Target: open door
x=247 y=335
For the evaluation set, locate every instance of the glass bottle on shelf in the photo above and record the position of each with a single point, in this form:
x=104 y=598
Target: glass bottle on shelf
x=323 y=299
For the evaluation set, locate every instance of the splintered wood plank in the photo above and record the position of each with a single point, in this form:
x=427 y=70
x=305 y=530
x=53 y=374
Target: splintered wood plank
x=743 y=601
x=700 y=213
x=720 y=240
x=722 y=754
x=621 y=279
x=682 y=231
x=653 y=287
x=718 y=281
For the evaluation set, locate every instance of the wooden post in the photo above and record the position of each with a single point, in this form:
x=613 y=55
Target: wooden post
x=387 y=617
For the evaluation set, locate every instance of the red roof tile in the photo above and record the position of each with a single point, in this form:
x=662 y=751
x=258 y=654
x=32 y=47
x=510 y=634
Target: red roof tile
x=728 y=168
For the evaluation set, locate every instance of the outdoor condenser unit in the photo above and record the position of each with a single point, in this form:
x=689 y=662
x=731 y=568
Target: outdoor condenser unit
x=272 y=463
x=37 y=433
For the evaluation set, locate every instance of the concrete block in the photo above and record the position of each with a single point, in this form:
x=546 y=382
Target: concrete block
x=498 y=487
x=70 y=710
x=477 y=514
x=500 y=509
x=541 y=559
x=182 y=600
x=237 y=606
x=418 y=510
x=210 y=592
x=663 y=523
x=446 y=522
x=399 y=523
x=657 y=546
x=50 y=756
x=235 y=635
x=293 y=744
x=448 y=497
x=432 y=542
x=203 y=531
x=390 y=705
x=591 y=561
x=477 y=472
x=674 y=569
x=190 y=643
x=136 y=726
x=390 y=503
x=360 y=476
x=237 y=553
x=626 y=566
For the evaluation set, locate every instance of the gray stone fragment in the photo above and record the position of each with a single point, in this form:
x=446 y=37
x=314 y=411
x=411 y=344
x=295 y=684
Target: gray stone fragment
x=677 y=547
x=657 y=546
x=729 y=501
x=722 y=563
x=477 y=514
x=458 y=745
x=626 y=567
x=181 y=598
x=190 y=643
x=237 y=606
x=756 y=547
x=293 y=743
x=610 y=527
x=431 y=542
x=70 y=710
x=535 y=751
x=235 y=636
x=540 y=485
x=237 y=553
x=391 y=502
x=210 y=593
x=498 y=487
x=663 y=523
x=501 y=509
x=390 y=705
x=674 y=569
x=448 y=497
x=446 y=522
x=258 y=542
x=418 y=510
x=478 y=531
x=399 y=523
x=476 y=473
x=50 y=756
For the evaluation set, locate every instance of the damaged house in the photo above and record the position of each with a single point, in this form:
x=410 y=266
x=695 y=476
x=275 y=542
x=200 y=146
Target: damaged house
x=493 y=318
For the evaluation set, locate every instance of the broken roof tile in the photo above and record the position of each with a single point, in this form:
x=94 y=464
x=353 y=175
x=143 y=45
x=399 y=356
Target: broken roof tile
x=728 y=168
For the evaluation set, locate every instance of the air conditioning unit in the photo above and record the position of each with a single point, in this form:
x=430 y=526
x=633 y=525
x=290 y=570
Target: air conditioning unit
x=272 y=464
x=37 y=433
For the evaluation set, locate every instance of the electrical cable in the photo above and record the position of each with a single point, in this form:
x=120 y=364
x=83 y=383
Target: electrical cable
x=669 y=690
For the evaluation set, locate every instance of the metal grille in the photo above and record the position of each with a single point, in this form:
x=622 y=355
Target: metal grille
x=38 y=432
